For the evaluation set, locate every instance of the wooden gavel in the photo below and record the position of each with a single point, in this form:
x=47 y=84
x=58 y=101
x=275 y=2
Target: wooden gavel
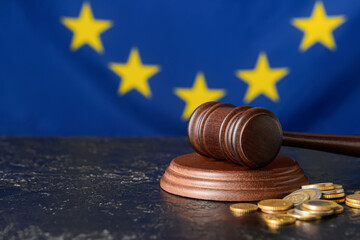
x=252 y=136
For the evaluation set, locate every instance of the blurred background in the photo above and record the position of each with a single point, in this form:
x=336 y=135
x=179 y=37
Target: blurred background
x=139 y=68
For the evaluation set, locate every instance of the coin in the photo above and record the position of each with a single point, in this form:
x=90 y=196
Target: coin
x=297 y=198
x=321 y=186
x=357 y=192
x=339 y=190
x=314 y=193
x=339 y=209
x=303 y=217
x=280 y=219
x=319 y=205
x=353 y=198
x=331 y=196
x=323 y=213
x=275 y=204
x=273 y=212
x=353 y=205
x=337 y=200
x=338 y=186
x=243 y=207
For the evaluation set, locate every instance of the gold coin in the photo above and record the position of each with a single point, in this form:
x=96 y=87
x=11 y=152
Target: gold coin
x=338 y=200
x=319 y=205
x=353 y=198
x=338 y=186
x=353 y=205
x=339 y=209
x=331 y=196
x=357 y=192
x=243 y=207
x=297 y=198
x=273 y=212
x=303 y=217
x=321 y=186
x=326 y=184
x=280 y=219
x=314 y=193
x=275 y=204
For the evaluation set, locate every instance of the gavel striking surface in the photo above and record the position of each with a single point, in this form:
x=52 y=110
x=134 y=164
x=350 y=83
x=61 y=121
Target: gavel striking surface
x=196 y=176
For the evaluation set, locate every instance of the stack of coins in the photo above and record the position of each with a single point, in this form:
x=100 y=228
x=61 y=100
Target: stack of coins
x=330 y=191
x=315 y=209
x=311 y=202
x=353 y=200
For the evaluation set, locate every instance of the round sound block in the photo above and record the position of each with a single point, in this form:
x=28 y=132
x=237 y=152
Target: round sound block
x=195 y=176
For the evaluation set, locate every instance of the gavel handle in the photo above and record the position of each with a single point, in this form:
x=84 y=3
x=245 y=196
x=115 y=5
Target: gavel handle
x=344 y=144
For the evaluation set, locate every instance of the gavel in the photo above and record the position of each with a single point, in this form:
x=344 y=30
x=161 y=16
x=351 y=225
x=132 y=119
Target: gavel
x=252 y=136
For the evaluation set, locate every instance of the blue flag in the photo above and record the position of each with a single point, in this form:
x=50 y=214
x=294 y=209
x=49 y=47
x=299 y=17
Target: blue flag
x=131 y=68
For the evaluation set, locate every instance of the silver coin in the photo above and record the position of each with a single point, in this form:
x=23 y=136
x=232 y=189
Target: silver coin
x=318 y=193
x=299 y=209
x=341 y=190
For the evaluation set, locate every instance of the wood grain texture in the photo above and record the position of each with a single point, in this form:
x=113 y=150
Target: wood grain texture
x=196 y=176
x=344 y=144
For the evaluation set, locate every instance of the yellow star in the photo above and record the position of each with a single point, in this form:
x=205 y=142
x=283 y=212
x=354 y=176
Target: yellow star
x=318 y=28
x=197 y=95
x=134 y=75
x=262 y=79
x=86 y=29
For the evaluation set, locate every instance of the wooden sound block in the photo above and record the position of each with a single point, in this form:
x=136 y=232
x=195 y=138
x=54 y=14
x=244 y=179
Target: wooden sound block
x=195 y=176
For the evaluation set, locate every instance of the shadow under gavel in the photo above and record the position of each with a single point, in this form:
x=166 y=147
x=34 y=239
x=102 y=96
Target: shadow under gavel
x=252 y=136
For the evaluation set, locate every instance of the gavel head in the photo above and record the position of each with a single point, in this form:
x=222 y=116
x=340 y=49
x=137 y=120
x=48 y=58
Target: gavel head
x=249 y=136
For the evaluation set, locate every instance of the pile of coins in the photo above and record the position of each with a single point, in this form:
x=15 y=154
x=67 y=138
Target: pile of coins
x=330 y=191
x=353 y=200
x=311 y=202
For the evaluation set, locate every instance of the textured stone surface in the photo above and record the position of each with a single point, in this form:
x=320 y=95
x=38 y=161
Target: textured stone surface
x=108 y=188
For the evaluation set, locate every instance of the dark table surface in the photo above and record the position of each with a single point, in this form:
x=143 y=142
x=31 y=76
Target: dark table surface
x=108 y=188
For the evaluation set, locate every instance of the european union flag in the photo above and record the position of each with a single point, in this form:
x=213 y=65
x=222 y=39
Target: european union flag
x=124 y=68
